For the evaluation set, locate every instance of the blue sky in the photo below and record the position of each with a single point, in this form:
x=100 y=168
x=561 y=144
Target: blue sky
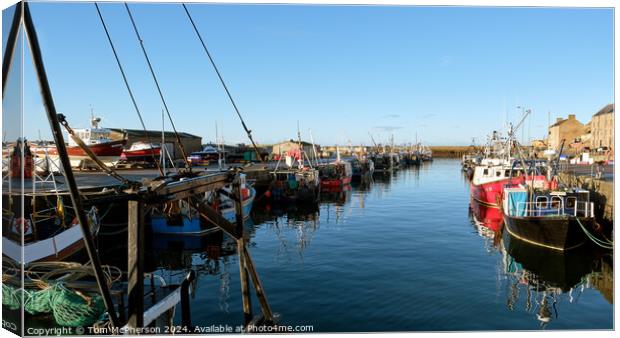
x=446 y=74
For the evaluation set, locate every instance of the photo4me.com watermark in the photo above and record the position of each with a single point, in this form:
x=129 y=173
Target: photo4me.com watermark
x=167 y=330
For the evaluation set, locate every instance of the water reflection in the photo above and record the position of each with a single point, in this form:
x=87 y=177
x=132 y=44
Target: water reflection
x=302 y=220
x=537 y=280
x=295 y=247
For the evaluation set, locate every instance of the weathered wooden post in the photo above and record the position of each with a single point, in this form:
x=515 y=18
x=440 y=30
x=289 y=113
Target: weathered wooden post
x=135 y=263
x=10 y=45
x=243 y=273
x=258 y=287
x=186 y=319
x=76 y=199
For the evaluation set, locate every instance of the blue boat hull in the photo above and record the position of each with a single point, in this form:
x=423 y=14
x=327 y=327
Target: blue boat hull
x=196 y=226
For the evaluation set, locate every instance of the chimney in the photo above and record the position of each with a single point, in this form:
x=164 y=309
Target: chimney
x=558 y=120
x=571 y=116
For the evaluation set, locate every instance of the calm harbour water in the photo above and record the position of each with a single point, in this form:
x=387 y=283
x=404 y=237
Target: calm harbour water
x=399 y=255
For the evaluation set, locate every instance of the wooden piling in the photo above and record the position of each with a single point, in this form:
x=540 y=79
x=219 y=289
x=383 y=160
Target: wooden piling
x=186 y=319
x=135 y=263
x=245 y=283
x=258 y=287
x=243 y=272
x=76 y=199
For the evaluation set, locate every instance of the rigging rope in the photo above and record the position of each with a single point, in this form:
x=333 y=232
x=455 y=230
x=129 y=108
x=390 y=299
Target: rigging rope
x=161 y=95
x=133 y=100
x=204 y=46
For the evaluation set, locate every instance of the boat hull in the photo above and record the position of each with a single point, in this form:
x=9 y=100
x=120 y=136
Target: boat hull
x=489 y=194
x=195 y=226
x=142 y=155
x=109 y=153
x=558 y=233
x=331 y=184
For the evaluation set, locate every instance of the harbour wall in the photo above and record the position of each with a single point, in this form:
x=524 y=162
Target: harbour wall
x=450 y=151
x=601 y=192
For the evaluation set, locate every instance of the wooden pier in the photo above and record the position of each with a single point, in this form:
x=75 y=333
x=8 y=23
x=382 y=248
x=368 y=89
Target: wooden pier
x=139 y=190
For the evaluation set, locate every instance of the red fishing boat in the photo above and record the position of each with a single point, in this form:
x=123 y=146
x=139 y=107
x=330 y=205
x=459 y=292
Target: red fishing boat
x=490 y=177
x=97 y=139
x=141 y=152
x=335 y=175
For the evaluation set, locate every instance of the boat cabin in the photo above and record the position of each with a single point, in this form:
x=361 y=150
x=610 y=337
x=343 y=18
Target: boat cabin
x=519 y=201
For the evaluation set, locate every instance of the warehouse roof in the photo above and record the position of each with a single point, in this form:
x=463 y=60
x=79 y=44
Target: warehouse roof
x=152 y=133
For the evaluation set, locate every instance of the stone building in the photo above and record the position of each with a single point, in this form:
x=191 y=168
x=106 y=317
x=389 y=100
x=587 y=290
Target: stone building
x=602 y=127
x=292 y=145
x=564 y=129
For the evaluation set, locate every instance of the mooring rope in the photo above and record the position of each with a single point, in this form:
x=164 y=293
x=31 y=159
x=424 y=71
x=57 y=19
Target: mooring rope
x=47 y=290
x=602 y=244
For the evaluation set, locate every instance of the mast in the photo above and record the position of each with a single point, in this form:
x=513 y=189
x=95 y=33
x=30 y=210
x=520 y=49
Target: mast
x=301 y=156
x=316 y=157
x=162 y=152
x=219 y=149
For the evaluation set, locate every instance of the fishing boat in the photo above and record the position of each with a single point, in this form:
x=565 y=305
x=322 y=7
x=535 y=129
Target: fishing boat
x=182 y=219
x=395 y=161
x=361 y=169
x=382 y=162
x=295 y=185
x=410 y=158
x=492 y=174
x=336 y=175
x=488 y=180
x=551 y=218
x=141 y=152
x=426 y=154
x=97 y=140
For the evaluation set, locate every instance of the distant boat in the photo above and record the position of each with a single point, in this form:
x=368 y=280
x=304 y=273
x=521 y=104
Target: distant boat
x=98 y=141
x=204 y=157
x=295 y=185
x=141 y=152
x=410 y=158
x=426 y=154
x=382 y=162
x=361 y=169
x=335 y=175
